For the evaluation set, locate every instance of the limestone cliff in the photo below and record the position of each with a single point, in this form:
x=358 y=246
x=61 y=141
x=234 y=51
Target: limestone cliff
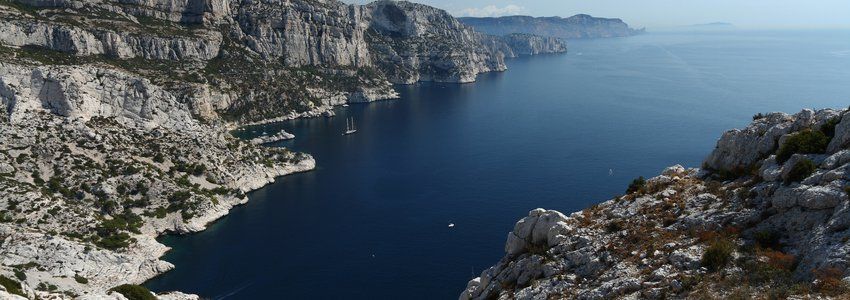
x=575 y=27
x=115 y=116
x=266 y=58
x=767 y=216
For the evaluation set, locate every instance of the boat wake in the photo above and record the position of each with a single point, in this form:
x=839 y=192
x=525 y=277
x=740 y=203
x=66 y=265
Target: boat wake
x=234 y=291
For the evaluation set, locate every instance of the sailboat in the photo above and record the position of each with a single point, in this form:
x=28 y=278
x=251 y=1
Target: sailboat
x=349 y=127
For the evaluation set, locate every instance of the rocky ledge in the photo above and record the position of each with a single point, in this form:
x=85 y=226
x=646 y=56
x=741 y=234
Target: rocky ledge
x=768 y=215
x=277 y=137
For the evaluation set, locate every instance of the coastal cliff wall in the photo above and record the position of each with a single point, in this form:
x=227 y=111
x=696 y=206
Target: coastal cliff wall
x=115 y=116
x=575 y=27
x=355 y=51
x=768 y=214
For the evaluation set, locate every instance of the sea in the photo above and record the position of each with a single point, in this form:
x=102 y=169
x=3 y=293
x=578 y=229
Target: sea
x=560 y=132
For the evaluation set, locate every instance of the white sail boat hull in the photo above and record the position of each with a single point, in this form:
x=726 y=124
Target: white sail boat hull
x=349 y=127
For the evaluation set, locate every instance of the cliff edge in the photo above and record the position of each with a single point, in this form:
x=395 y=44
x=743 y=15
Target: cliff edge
x=767 y=215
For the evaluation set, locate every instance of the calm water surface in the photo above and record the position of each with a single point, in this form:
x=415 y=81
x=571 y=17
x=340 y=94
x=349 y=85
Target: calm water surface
x=371 y=221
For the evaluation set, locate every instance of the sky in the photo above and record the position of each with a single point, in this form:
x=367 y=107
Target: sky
x=667 y=13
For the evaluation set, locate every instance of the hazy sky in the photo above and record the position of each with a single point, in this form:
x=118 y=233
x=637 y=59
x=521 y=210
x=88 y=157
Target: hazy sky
x=668 y=13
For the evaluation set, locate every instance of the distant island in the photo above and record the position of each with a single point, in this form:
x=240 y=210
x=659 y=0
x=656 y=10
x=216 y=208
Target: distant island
x=575 y=27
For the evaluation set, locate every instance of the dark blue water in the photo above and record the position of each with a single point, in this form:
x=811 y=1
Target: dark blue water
x=371 y=221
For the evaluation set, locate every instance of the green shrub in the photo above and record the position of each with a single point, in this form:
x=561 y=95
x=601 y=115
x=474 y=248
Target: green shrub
x=179 y=196
x=115 y=241
x=802 y=169
x=20 y=275
x=199 y=169
x=134 y=292
x=828 y=128
x=637 y=185
x=160 y=212
x=81 y=279
x=804 y=142
x=111 y=232
x=130 y=170
x=718 y=254
x=13 y=287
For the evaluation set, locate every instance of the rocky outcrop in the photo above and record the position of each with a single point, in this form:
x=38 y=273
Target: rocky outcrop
x=86 y=92
x=691 y=233
x=517 y=44
x=267 y=139
x=413 y=42
x=575 y=27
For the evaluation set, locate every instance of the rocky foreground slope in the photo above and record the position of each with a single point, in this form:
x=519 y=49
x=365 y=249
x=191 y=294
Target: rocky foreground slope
x=575 y=27
x=768 y=216
x=115 y=116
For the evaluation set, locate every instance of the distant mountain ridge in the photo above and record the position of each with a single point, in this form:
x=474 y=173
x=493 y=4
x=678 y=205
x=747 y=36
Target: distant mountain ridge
x=575 y=27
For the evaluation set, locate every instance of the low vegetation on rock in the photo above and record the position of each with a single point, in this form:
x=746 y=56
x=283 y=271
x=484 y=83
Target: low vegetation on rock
x=134 y=292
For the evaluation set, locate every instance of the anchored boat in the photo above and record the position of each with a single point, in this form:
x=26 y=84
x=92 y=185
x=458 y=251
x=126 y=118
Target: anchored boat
x=349 y=127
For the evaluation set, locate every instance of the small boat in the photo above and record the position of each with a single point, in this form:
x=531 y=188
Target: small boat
x=345 y=105
x=349 y=127
x=451 y=225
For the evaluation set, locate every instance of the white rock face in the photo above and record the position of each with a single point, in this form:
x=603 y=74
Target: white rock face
x=358 y=49
x=739 y=149
x=541 y=227
x=842 y=135
x=60 y=257
x=124 y=45
x=84 y=92
x=280 y=136
x=5 y=295
x=173 y=10
x=62 y=116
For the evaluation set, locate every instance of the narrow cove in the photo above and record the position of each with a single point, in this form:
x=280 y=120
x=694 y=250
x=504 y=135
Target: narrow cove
x=561 y=132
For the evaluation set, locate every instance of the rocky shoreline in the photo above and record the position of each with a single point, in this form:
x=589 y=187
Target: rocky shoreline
x=765 y=216
x=116 y=116
x=86 y=192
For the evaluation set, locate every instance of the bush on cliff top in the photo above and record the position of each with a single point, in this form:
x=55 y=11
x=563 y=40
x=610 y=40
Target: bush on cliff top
x=134 y=292
x=801 y=170
x=637 y=185
x=804 y=142
x=718 y=254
